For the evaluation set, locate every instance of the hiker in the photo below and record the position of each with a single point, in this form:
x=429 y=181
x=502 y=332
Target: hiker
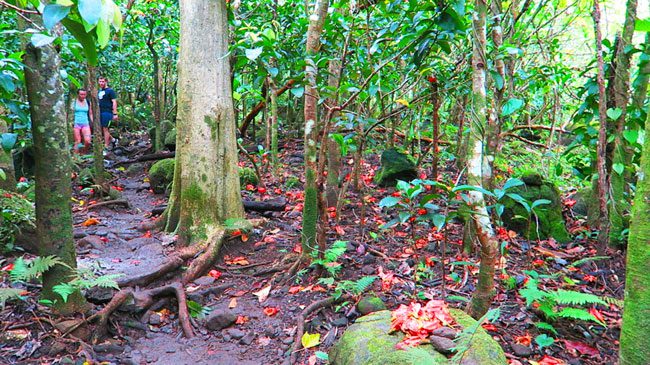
x=82 y=118
x=107 y=109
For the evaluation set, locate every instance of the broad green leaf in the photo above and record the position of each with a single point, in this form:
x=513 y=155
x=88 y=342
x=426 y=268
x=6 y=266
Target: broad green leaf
x=544 y=340
x=8 y=141
x=87 y=41
x=41 y=40
x=253 y=53
x=117 y=17
x=90 y=11
x=309 y=340
x=7 y=82
x=642 y=25
x=539 y=202
x=472 y=188
x=511 y=183
x=438 y=221
x=614 y=113
x=3 y=175
x=511 y=106
x=618 y=167
x=65 y=2
x=103 y=31
x=53 y=13
x=388 y=202
x=322 y=355
x=631 y=135
x=546 y=326
x=298 y=91
x=519 y=199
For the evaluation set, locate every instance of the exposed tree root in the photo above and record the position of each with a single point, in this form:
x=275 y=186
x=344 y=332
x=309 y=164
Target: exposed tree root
x=110 y=202
x=300 y=327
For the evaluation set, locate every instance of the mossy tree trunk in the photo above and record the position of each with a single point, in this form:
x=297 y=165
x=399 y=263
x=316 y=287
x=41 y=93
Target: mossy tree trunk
x=311 y=210
x=52 y=171
x=635 y=342
x=603 y=234
x=6 y=164
x=482 y=296
x=156 y=74
x=619 y=98
x=206 y=188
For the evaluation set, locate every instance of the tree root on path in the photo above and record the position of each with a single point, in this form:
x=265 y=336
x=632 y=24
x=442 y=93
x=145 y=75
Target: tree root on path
x=300 y=328
x=110 y=202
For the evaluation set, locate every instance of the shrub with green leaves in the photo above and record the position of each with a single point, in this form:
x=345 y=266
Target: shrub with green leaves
x=16 y=213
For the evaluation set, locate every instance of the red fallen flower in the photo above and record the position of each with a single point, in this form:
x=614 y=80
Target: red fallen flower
x=261 y=190
x=489 y=327
x=428 y=261
x=589 y=278
x=250 y=187
x=271 y=311
x=596 y=313
x=7 y=195
x=22 y=179
x=570 y=203
x=538 y=262
x=147 y=235
x=278 y=191
x=216 y=274
x=422 y=211
x=396 y=194
x=8 y=267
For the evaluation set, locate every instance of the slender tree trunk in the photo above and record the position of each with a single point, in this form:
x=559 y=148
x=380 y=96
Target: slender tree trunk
x=53 y=170
x=98 y=136
x=334 y=158
x=435 y=102
x=310 y=210
x=206 y=188
x=482 y=296
x=157 y=76
x=603 y=234
x=635 y=342
x=619 y=98
x=274 y=124
x=640 y=84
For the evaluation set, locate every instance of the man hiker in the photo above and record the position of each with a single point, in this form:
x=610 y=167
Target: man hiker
x=107 y=109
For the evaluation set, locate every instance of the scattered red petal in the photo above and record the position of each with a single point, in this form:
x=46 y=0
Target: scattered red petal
x=215 y=274
x=581 y=347
x=8 y=267
x=489 y=327
x=271 y=311
x=242 y=319
x=147 y=235
x=596 y=313
x=550 y=360
x=261 y=190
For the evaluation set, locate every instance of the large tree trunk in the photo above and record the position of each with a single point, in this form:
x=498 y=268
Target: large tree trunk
x=310 y=210
x=98 y=136
x=53 y=187
x=206 y=187
x=603 y=234
x=635 y=342
x=482 y=296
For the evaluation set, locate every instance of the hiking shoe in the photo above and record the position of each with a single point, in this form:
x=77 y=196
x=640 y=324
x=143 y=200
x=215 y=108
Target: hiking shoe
x=114 y=142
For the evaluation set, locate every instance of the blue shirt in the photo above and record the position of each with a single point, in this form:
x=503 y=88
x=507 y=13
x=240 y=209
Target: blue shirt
x=81 y=112
x=106 y=97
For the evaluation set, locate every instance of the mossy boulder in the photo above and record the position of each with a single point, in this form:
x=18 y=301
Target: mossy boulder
x=368 y=342
x=170 y=139
x=247 y=176
x=370 y=304
x=395 y=165
x=161 y=175
x=547 y=221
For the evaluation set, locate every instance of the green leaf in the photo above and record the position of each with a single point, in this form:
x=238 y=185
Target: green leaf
x=546 y=326
x=53 y=13
x=438 y=221
x=322 y=355
x=642 y=25
x=511 y=183
x=614 y=113
x=90 y=10
x=8 y=141
x=86 y=40
x=519 y=199
x=309 y=340
x=389 y=201
x=253 y=53
x=511 y=106
x=544 y=340
x=618 y=167
x=41 y=40
x=298 y=91
x=3 y=175
x=472 y=188
x=631 y=135
x=103 y=31
x=539 y=202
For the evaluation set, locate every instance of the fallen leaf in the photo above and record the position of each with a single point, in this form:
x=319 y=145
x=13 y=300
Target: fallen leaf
x=241 y=319
x=524 y=340
x=233 y=303
x=309 y=340
x=147 y=235
x=90 y=222
x=216 y=274
x=596 y=313
x=263 y=293
x=581 y=347
x=295 y=289
x=548 y=360
x=263 y=341
x=239 y=260
x=271 y=311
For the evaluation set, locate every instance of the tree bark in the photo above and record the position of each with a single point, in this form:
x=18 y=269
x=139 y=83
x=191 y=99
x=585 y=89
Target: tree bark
x=603 y=234
x=482 y=296
x=310 y=210
x=98 y=136
x=635 y=342
x=206 y=188
x=6 y=164
x=52 y=171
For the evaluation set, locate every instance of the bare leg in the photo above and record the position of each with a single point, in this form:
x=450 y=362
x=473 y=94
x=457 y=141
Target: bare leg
x=77 y=139
x=85 y=131
x=107 y=137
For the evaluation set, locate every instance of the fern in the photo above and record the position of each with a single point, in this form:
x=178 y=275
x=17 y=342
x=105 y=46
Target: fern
x=569 y=297
x=86 y=279
x=29 y=270
x=588 y=259
x=363 y=284
x=579 y=313
x=9 y=294
x=333 y=253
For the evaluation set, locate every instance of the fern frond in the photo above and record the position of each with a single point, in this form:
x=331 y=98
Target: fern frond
x=532 y=294
x=26 y=271
x=333 y=253
x=363 y=284
x=614 y=301
x=577 y=313
x=569 y=297
x=64 y=290
x=9 y=294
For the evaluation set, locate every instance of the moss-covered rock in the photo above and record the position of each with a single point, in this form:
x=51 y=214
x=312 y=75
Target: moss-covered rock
x=395 y=165
x=247 y=176
x=370 y=304
x=170 y=139
x=161 y=175
x=368 y=342
x=546 y=222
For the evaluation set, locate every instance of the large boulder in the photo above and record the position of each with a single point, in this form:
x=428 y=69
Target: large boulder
x=547 y=221
x=161 y=175
x=395 y=165
x=368 y=342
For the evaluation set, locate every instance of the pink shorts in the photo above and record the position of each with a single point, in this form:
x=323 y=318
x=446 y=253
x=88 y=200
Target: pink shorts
x=81 y=126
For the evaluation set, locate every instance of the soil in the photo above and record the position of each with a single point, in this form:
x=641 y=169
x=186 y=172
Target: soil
x=246 y=264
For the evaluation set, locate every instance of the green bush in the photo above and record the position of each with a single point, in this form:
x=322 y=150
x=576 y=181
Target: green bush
x=247 y=176
x=16 y=213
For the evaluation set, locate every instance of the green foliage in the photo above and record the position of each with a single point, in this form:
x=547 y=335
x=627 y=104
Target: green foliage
x=86 y=279
x=7 y=294
x=550 y=302
x=330 y=258
x=197 y=310
x=544 y=340
x=352 y=287
x=28 y=270
x=16 y=214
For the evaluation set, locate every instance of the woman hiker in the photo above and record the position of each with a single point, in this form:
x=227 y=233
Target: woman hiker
x=82 y=119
